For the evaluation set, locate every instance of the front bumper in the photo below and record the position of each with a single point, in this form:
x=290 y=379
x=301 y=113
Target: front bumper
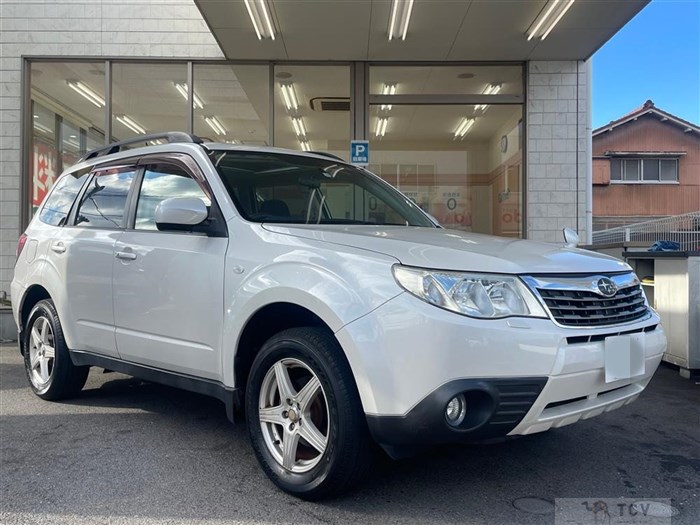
x=494 y=407
x=409 y=358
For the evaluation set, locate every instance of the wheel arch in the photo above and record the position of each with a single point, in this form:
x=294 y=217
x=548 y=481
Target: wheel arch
x=31 y=297
x=265 y=322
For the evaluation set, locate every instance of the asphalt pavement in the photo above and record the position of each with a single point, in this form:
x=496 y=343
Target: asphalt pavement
x=131 y=452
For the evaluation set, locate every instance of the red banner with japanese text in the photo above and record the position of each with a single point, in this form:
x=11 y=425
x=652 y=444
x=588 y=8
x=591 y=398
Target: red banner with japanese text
x=44 y=171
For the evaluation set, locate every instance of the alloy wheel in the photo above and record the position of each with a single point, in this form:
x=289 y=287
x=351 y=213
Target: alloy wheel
x=293 y=414
x=41 y=352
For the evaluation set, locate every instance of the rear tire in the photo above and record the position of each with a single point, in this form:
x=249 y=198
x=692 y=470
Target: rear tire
x=304 y=415
x=50 y=371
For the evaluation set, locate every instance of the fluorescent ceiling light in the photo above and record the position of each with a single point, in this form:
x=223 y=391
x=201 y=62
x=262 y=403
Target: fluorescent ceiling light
x=131 y=124
x=464 y=127
x=380 y=129
x=400 y=17
x=388 y=89
x=42 y=128
x=260 y=16
x=305 y=145
x=86 y=92
x=215 y=125
x=291 y=102
x=299 y=127
x=72 y=143
x=182 y=88
x=491 y=89
x=548 y=18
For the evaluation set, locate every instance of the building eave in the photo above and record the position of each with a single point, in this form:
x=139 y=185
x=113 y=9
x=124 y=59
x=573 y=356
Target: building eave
x=649 y=109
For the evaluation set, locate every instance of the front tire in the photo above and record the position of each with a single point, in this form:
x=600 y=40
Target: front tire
x=304 y=415
x=50 y=371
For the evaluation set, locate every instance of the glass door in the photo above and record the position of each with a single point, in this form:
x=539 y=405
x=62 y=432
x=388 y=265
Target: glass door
x=462 y=163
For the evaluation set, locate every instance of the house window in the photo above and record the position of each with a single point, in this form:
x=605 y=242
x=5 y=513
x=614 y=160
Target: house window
x=643 y=170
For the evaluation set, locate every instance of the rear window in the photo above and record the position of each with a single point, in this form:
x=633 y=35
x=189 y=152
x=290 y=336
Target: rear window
x=58 y=204
x=104 y=202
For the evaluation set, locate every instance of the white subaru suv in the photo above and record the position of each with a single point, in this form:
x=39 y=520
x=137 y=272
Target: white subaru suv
x=321 y=302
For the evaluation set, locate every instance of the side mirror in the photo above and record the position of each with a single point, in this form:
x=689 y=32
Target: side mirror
x=571 y=238
x=180 y=213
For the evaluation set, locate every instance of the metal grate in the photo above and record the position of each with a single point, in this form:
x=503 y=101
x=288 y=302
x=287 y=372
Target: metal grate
x=587 y=308
x=330 y=104
x=515 y=400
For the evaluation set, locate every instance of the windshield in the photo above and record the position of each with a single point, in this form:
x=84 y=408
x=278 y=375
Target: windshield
x=270 y=187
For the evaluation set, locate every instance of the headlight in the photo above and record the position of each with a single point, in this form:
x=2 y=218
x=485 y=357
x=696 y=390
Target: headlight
x=475 y=295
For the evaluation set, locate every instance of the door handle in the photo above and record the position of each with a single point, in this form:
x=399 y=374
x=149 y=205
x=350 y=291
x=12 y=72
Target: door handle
x=126 y=256
x=58 y=247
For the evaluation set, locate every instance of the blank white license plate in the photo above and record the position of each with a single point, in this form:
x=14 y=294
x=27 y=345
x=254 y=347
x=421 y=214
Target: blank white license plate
x=624 y=357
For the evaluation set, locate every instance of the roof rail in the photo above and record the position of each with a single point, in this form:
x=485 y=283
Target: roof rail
x=326 y=154
x=170 y=136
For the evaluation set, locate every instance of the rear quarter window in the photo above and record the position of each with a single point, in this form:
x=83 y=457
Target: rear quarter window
x=103 y=204
x=58 y=204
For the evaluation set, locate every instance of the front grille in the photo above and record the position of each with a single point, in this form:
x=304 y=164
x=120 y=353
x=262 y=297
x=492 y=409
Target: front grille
x=578 y=339
x=587 y=308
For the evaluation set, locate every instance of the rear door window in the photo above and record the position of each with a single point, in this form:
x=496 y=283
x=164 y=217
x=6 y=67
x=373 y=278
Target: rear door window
x=103 y=204
x=57 y=206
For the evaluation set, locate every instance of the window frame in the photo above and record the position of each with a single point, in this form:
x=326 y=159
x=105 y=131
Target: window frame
x=640 y=163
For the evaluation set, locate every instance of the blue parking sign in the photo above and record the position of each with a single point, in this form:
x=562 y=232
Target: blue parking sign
x=359 y=152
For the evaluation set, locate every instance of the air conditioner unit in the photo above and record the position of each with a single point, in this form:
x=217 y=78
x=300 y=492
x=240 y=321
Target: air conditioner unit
x=330 y=104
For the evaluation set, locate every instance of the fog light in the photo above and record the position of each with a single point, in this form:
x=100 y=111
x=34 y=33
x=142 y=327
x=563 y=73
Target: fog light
x=456 y=410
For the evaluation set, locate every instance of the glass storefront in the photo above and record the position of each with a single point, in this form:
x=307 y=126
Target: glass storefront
x=312 y=108
x=231 y=103
x=448 y=136
x=145 y=99
x=462 y=163
x=67 y=119
x=463 y=169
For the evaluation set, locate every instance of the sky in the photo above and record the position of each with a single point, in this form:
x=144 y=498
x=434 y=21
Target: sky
x=655 y=56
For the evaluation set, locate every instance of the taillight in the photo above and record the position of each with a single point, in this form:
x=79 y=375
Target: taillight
x=20 y=244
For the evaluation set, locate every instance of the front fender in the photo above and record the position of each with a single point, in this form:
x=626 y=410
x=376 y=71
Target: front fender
x=337 y=296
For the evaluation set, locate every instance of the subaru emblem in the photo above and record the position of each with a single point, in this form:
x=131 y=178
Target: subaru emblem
x=606 y=287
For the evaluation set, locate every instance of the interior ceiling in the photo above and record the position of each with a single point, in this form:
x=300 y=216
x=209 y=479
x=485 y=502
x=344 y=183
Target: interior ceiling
x=439 y=30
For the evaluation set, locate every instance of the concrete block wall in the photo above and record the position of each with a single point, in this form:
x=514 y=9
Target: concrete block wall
x=84 y=28
x=557 y=149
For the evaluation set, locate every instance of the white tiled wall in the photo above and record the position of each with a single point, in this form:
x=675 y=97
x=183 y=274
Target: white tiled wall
x=557 y=113
x=109 y=28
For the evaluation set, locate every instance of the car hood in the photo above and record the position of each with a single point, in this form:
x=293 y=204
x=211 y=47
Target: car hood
x=455 y=250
